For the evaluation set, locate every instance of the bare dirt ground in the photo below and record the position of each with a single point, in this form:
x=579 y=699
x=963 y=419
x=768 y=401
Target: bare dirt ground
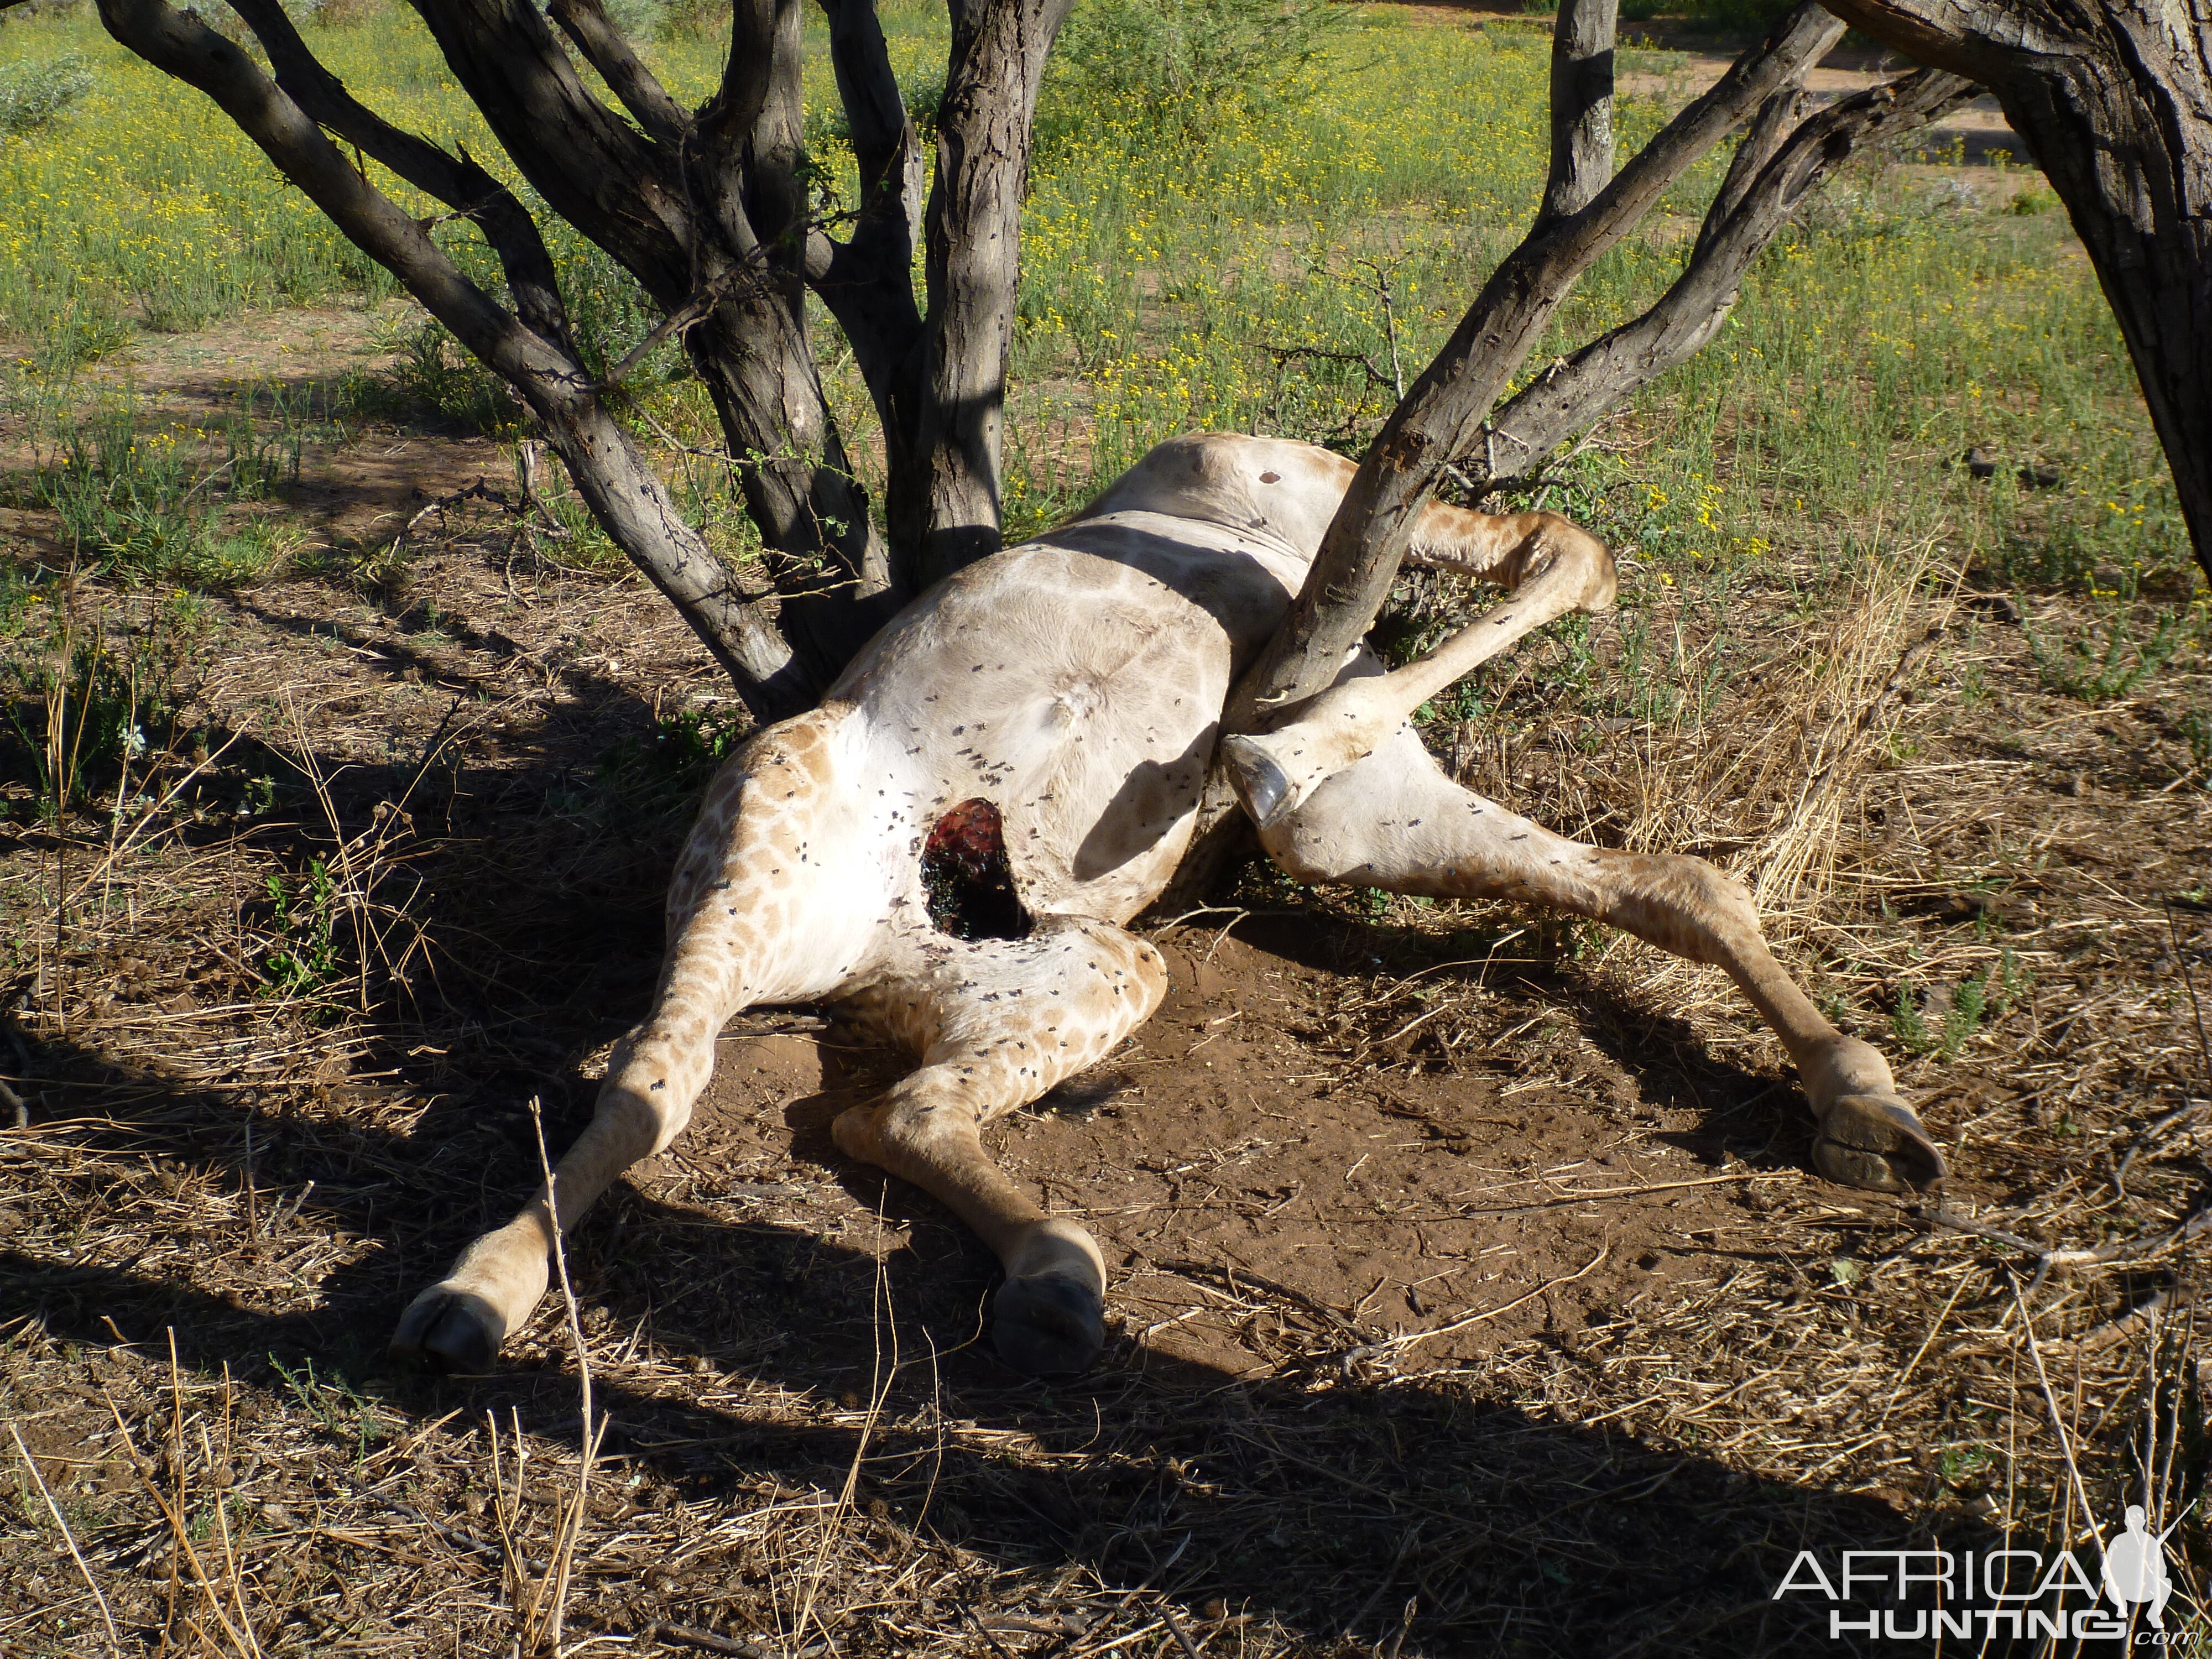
x=1472 y=1292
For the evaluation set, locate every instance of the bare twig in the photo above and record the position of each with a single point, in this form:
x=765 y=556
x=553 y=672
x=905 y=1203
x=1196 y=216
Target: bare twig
x=181 y=1535
x=2126 y=1250
x=691 y=1636
x=684 y=316
x=2124 y=1325
x=559 y=1568
x=2051 y=1401
x=2159 y=1129
x=1175 y=1629
x=1410 y=1338
x=115 y=1641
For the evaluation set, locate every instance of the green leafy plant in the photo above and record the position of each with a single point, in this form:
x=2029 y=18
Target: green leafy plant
x=336 y=1404
x=671 y=765
x=35 y=90
x=1974 y=1002
x=432 y=370
x=302 y=956
x=2196 y=732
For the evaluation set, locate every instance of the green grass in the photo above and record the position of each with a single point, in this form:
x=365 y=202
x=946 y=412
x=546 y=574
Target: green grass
x=1172 y=285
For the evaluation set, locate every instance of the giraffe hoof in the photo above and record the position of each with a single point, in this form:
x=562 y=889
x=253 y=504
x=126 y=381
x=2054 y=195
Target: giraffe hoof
x=1048 y=1324
x=1259 y=781
x=1876 y=1141
x=447 y=1328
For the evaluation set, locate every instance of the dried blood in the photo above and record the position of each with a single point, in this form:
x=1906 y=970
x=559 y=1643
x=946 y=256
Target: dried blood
x=966 y=880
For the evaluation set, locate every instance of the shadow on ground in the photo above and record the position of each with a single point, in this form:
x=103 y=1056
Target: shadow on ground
x=1336 y=1499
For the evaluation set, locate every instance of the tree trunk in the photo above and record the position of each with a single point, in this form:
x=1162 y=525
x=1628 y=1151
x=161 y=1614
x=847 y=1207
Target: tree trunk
x=709 y=210
x=2114 y=99
x=1582 y=106
x=529 y=348
x=947 y=507
x=727 y=221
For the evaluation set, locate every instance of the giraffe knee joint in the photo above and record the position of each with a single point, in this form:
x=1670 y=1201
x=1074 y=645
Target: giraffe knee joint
x=645 y=1112
x=1728 y=896
x=913 y=1127
x=1562 y=549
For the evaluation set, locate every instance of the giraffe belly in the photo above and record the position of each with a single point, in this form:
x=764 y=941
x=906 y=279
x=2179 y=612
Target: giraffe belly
x=1076 y=690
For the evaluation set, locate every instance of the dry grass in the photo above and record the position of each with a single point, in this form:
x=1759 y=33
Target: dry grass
x=233 y=1174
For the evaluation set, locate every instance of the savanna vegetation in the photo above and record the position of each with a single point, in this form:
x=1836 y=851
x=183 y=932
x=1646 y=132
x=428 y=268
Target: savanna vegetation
x=344 y=758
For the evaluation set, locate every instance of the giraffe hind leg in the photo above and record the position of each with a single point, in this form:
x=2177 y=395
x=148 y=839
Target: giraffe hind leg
x=1559 y=567
x=762 y=910
x=998 y=1022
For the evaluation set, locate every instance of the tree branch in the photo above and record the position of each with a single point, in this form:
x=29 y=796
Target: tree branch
x=587 y=23
x=883 y=133
x=592 y=166
x=1778 y=118
x=624 y=495
x=867 y=282
x=1442 y=417
x=1983 y=42
x=457 y=181
x=946 y=505
x=1743 y=219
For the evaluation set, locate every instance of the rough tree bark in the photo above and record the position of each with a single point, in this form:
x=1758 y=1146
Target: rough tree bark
x=2114 y=99
x=708 y=209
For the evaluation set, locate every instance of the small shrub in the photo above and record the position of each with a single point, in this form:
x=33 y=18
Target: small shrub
x=302 y=956
x=1174 y=62
x=77 y=708
x=81 y=330
x=1974 y=1002
x=641 y=19
x=37 y=89
x=2106 y=663
x=690 y=19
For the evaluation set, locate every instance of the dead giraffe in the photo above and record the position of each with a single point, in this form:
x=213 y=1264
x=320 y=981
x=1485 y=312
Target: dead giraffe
x=1056 y=707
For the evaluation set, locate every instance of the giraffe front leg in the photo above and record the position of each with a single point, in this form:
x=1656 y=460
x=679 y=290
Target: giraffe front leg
x=1002 y=1022
x=1395 y=820
x=460 y=1322
x=755 y=915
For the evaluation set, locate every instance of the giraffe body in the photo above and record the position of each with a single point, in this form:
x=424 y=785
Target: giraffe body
x=1075 y=684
